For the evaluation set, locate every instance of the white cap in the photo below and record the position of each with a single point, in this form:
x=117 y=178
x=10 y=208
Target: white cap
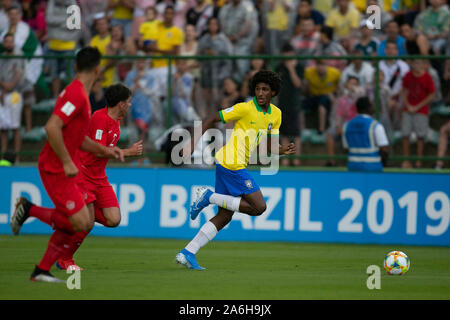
x=99 y=15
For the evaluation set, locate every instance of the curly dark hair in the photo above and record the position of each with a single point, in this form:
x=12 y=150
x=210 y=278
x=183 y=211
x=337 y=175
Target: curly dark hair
x=266 y=76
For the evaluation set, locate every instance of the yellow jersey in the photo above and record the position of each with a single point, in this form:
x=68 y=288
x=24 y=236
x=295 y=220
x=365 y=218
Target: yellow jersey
x=251 y=126
x=101 y=45
x=167 y=38
x=322 y=86
x=149 y=29
x=277 y=19
x=61 y=45
x=343 y=24
x=361 y=5
x=122 y=12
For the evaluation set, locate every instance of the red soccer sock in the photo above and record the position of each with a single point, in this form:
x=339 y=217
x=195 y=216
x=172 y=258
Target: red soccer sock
x=76 y=241
x=43 y=214
x=59 y=221
x=56 y=244
x=99 y=217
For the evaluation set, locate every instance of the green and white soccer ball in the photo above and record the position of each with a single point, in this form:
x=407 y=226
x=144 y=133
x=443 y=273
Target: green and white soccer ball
x=396 y=262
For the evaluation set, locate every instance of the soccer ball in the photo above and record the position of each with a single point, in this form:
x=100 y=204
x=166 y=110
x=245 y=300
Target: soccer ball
x=396 y=262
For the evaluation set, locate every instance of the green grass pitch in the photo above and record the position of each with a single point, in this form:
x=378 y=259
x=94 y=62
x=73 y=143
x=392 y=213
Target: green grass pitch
x=138 y=268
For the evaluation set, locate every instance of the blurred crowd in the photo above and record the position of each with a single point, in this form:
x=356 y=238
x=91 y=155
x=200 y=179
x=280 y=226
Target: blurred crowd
x=317 y=94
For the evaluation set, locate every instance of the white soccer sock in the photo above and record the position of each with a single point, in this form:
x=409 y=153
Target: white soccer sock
x=207 y=232
x=225 y=201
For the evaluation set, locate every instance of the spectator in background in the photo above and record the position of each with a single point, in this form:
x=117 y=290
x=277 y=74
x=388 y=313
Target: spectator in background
x=4 y=20
x=90 y=9
x=417 y=92
x=392 y=35
x=34 y=16
x=182 y=92
x=394 y=70
x=230 y=94
x=238 y=20
x=199 y=15
x=367 y=43
x=13 y=71
x=213 y=72
x=140 y=16
x=276 y=24
x=148 y=30
x=169 y=40
x=344 y=19
x=190 y=48
x=328 y=47
x=146 y=110
x=365 y=139
x=323 y=6
x=384 y=95
x=101 y=41
x=414 y=41
x=343 y=111
x=361 y=70
x=255 y=66
x=305 y=10
x=306 y=39
x=122 y=14
x=26 y=41
x=289 y=101
x=97 y=96
x=321 y=83
x=434 y=23
x=444 y=133
x=61 y=41
x=120 y=46
x=407 y=8
x=180 y=8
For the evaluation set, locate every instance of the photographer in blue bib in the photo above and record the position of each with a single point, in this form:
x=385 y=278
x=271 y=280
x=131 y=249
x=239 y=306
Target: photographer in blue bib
x=366 y=140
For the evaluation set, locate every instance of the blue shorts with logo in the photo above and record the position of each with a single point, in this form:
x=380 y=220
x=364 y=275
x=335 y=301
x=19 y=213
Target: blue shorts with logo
x=234 y=182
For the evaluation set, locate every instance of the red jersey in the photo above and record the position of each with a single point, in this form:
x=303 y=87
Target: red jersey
x=418 y=89
x=74 y=109
x=106 y=131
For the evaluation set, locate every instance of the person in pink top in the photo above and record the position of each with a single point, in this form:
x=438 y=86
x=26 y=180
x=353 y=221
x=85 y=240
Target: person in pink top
x=343 y=111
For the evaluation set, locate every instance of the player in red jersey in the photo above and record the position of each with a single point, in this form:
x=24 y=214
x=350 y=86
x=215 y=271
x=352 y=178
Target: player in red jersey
x=59 y=165
x=104 y=128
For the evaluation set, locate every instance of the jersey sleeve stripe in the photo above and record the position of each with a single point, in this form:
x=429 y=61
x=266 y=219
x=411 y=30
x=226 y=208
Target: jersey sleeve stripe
x=221 y=116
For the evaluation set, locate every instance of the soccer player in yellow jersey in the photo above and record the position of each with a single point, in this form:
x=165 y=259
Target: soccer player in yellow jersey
x=235 y=189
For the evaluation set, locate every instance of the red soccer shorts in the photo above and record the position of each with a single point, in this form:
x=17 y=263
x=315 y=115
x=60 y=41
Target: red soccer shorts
x=100 y=192
x=63 y=191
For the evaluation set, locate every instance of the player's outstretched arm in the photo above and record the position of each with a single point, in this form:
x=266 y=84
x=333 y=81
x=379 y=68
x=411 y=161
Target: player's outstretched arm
x=55 y=139
x=206 y=124
x=101 y=151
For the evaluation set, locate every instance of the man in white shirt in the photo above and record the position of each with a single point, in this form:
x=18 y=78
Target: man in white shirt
x=359 y=69
x=393 y=69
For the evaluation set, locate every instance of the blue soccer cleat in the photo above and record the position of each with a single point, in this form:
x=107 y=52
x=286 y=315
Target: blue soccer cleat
x=188 y=260
x=201 y=201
